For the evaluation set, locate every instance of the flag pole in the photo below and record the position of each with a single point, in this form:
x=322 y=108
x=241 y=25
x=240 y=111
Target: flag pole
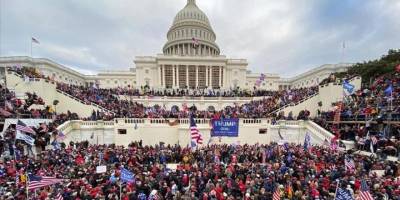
x=337 y=185
x=391 y=100
x=31 y=47
x=120 y=189
x=27 y=182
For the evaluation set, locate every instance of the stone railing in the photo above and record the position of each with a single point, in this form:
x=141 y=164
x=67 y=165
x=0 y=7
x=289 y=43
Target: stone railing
x=86 y=103
x=293 y=104
x=69 y=126
x=183 y=121
x=61 y=92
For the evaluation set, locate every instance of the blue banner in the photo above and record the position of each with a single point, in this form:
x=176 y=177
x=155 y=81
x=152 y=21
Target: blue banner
x=225 y=127
x=127 y=176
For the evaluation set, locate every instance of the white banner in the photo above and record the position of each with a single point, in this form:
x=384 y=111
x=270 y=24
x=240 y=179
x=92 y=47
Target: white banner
x=101 y=169
x=28 y=139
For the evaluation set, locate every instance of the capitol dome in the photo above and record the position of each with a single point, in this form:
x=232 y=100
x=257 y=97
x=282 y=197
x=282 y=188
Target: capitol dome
x=191 y=34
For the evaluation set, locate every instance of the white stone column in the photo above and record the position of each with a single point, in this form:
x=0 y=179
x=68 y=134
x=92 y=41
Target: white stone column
x=220 y=81
x=187 y=76
x=163 y=77
x=173 y=76
x=183 y=49
x=224 y=78
x=211 y=76
x=159 y=76
x=197 y=76
x=206 y=76
x=177 y=76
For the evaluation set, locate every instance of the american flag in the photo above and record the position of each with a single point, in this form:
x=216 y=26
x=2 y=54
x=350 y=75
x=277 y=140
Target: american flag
x=196 y=136
x=277 y=194
x=349 y=163
x=41 y=181
x=59 y=196
x=17 y=178
x=21 y=126
x=307 y=141
x=364 y=193
x=34 y=40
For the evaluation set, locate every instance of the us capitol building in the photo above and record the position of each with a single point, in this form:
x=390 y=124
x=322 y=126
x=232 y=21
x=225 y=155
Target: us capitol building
x=190 y=58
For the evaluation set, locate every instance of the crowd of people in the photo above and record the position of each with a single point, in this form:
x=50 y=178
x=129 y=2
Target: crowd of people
x=205 y=92
x=211 y=172
x=214 y=172
x=372 y=108
x=110 y=100
x=13 y=107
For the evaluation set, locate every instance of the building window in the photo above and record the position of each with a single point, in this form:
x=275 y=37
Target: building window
x=168 y=76
x=115 y=82
x=146 y=71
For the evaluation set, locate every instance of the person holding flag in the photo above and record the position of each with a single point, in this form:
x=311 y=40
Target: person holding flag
x=348 y=88
x=196 y=137
x=349 y=164
x=307 y=141
x=389 y=92
x=364 y=191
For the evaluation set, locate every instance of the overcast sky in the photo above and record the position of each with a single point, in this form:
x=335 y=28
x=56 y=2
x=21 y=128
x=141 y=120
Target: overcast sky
x=275 y=36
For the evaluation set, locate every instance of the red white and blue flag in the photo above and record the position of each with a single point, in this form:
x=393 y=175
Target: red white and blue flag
x=41 y=181
x=21 y=126
x=364 y=193
x=195 y=135
x=59 y=196
x=277 y=194
x=349 y=163
x=34 y=40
